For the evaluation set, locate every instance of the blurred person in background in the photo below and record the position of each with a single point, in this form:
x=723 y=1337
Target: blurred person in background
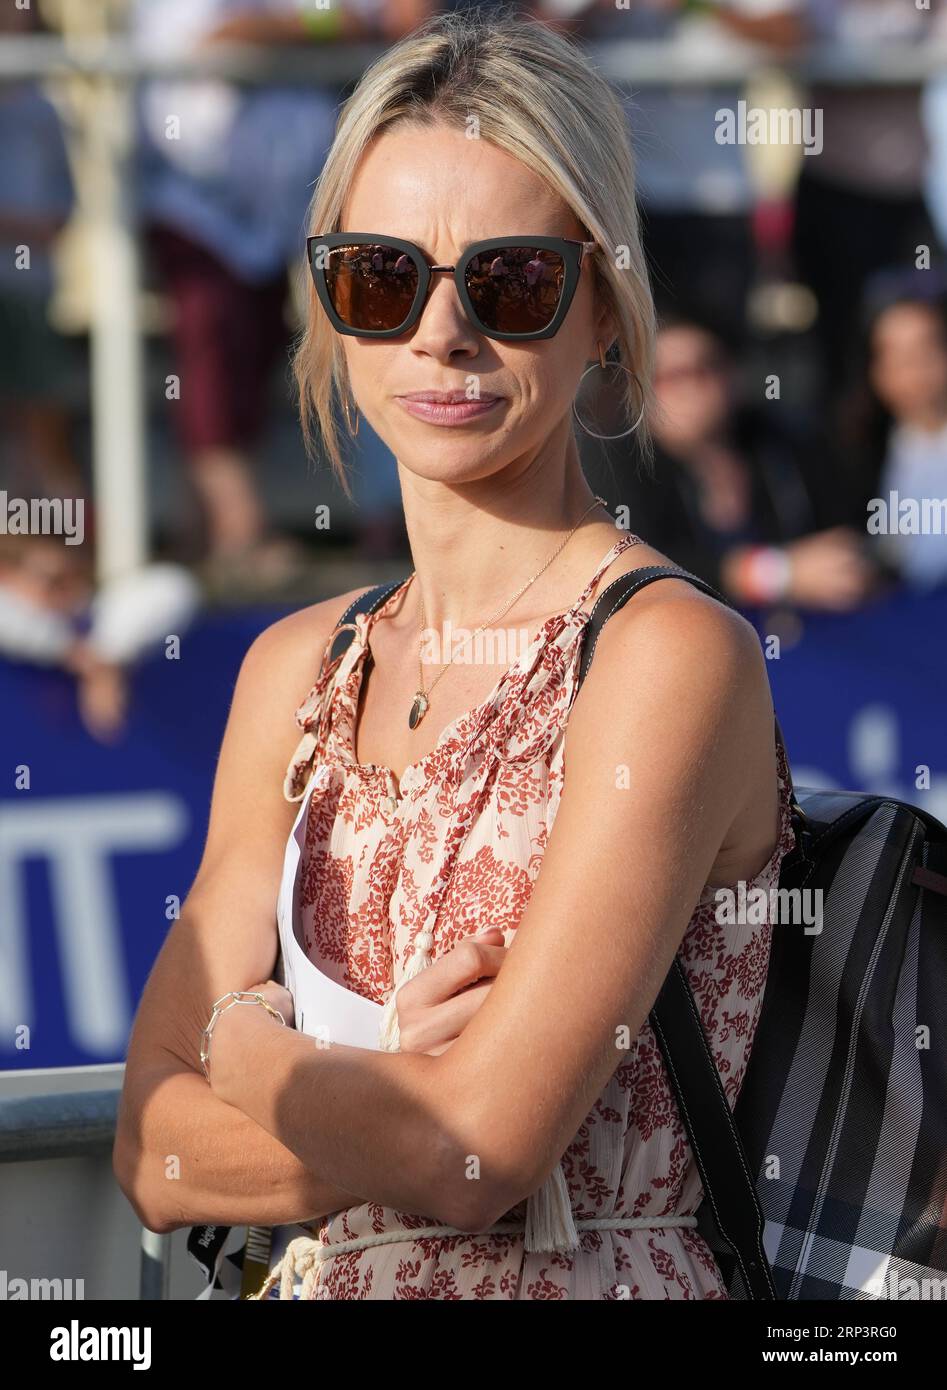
x=224 y=179
x=860 y=206
x=696 y=191
x=732 y=497
x=37 y=195
x=895 y=423
x=52 y=614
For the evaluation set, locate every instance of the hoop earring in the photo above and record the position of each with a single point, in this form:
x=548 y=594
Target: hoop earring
x=602 y=365
x=348 y=418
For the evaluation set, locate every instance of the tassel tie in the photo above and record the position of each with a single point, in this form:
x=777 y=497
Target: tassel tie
x=314 y=714
x=550 y=1224
x=389 y=1034
x=302 y=1256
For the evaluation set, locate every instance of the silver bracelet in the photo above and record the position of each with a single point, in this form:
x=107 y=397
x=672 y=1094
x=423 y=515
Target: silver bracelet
x=236 y=996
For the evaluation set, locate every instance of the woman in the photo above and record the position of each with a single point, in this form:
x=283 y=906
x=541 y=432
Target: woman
x=528 y=1091
x=895 y=427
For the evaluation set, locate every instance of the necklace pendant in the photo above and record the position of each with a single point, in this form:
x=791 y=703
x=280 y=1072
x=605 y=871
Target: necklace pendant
x=418 y=710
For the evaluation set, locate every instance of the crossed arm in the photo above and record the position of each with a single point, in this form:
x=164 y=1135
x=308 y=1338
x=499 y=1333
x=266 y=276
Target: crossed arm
x=668 y=737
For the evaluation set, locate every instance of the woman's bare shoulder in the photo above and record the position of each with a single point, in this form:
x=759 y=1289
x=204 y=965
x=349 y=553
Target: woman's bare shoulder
x=675 y=629
x=674 y=669
x=286 y=656
x=670 y=612
x=279 y=668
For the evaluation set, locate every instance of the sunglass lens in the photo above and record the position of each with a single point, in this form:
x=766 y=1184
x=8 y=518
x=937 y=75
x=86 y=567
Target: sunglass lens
x=515 y=289
x=371 y=287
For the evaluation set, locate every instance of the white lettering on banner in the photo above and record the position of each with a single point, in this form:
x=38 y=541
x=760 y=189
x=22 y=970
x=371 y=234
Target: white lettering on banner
x=77 y=836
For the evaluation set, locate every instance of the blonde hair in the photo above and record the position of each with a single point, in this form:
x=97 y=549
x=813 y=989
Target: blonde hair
x=533 y=93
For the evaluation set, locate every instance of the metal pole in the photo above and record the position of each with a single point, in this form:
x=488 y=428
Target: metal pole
x=116 y=352
x=155 y=1266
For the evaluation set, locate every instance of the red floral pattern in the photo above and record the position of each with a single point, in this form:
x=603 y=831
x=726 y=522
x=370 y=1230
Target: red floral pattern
x=458 y=851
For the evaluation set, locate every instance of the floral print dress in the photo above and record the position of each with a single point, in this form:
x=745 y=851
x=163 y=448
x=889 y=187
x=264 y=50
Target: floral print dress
x=456 y=848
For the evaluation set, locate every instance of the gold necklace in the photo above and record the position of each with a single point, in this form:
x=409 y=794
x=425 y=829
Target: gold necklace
x=421 y=701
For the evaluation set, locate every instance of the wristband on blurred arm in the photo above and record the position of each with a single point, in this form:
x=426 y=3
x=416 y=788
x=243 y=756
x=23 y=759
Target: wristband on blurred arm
x=764 y=573
x=321 y=23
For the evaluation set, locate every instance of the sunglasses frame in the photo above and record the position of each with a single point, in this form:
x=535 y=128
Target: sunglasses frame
x=573 y=254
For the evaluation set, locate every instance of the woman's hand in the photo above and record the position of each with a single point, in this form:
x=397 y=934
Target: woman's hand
x=435 y=1007
x=830 y=569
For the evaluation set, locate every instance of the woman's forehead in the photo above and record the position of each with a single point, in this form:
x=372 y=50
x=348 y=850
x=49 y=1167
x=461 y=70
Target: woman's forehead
x=417 y=182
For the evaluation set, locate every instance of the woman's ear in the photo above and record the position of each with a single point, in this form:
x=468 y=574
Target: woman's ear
x=606 y=329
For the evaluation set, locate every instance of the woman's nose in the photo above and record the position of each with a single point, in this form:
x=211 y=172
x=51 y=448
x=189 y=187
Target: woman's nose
x=444 y=327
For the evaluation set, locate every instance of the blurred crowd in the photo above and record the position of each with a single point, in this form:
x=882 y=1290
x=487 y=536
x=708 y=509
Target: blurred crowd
x=801 y=370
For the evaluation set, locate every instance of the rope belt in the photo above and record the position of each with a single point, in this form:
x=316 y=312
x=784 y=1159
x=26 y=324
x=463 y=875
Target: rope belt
x=304 y=1255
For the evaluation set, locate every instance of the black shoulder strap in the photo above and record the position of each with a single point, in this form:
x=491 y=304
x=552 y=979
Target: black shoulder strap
x=368 y=602
x=728 y=1184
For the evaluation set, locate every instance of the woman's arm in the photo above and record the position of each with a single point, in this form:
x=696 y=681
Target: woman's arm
x=181 y=1155
x=670 y=741
x=670 y=738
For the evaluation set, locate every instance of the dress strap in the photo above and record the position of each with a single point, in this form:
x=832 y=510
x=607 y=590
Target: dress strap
x=627 y=540
x=396 y=593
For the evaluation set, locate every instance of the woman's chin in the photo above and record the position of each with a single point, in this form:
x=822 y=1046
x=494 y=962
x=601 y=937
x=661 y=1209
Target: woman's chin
x=452 y=466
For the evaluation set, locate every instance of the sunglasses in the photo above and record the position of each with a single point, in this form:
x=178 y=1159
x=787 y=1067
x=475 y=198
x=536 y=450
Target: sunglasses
x=512 y=288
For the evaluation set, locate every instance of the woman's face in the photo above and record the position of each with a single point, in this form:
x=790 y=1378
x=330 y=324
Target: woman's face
x=437 y=188
x=909 y=361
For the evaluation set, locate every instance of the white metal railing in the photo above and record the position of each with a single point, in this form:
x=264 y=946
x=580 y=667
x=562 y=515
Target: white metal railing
x=50 y=1114
x=626 y=62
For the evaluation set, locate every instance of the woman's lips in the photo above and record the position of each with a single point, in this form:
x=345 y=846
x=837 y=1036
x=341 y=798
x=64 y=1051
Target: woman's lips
x=448 y=412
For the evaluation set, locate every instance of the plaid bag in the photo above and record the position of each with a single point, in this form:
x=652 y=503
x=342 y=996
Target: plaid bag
x=847 y=1080
x=829 y=1180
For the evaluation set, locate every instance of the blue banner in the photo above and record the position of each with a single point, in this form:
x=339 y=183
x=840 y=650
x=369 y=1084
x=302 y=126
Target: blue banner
x=98 y=843
x=104 y=839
